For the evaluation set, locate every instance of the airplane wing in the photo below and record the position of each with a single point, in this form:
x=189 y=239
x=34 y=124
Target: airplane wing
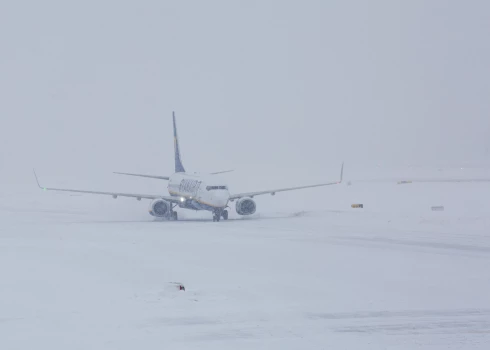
x=273 y=192
x=143 y=175
x=113 y=194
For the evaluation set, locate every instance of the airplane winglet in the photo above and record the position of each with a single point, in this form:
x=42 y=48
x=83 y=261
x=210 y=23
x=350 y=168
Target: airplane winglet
x=37 y=180
x=341 y=173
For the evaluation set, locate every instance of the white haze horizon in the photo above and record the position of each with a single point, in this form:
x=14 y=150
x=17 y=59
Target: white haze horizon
x=255 y=85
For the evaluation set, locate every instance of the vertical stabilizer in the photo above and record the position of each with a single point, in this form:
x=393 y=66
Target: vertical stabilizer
x=179 y=168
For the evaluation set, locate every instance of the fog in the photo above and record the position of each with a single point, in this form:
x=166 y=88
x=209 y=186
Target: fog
x=255 y=85
x=282 y=92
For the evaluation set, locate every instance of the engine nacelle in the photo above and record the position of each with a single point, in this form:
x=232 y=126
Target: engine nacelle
x=245 y=206
x=159 y=208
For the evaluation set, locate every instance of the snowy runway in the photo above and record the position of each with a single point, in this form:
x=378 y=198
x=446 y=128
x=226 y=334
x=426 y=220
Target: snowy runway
x=315 y=279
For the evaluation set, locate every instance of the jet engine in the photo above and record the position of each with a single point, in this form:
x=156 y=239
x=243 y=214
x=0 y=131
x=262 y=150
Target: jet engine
x=159 y=208
x=245 y=206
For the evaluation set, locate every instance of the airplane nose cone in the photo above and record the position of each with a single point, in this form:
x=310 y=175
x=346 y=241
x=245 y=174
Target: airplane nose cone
x=221 y=200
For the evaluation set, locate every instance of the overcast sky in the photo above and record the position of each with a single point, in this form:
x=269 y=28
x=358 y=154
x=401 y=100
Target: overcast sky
x=255 y=84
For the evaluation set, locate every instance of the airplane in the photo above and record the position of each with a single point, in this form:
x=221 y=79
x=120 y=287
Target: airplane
x=193 y=191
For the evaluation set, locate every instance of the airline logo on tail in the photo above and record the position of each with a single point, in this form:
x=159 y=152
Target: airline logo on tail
x=179 y=168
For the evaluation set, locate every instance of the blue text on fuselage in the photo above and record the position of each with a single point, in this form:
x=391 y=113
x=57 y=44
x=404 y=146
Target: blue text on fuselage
x=189 y=186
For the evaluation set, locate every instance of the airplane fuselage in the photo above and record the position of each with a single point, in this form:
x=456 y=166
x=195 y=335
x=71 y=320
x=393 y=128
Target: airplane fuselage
x=199 y=192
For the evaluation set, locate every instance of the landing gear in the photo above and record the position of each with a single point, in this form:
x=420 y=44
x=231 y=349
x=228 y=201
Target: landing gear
x=173 y=214
x=218 y=214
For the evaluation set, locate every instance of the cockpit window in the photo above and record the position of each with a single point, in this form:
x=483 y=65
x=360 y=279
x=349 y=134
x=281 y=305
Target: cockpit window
x=212 y=188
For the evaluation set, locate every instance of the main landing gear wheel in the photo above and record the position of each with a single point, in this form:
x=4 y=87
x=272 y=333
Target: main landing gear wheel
x=174 y=216
x=225 y=214
x=216 y=217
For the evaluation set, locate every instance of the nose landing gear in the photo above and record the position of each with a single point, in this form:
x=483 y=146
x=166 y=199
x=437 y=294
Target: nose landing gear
x=220 y=213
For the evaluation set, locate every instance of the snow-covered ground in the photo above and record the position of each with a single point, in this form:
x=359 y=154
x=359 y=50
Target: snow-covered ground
x=83 y=272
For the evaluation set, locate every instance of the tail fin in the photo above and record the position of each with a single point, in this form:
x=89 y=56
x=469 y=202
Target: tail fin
x=179 y=168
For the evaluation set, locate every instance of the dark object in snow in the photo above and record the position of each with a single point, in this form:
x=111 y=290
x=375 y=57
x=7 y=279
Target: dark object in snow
x=404 y=182
x=177 y=285
x=357 y=206
x=437 y=208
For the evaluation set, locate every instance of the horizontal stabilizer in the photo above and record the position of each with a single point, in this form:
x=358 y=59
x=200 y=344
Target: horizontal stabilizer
x=222 y=172
x=143 y=175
